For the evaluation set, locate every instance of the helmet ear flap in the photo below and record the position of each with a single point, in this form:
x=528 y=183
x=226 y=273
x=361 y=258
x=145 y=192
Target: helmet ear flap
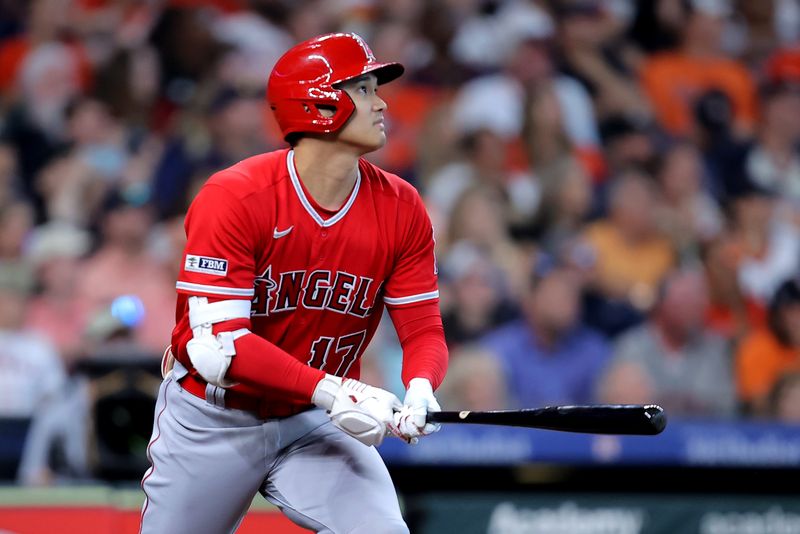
x=323 y=115
x=305 y=81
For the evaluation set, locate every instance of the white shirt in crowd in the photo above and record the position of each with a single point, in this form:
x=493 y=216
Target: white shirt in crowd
x=31 y=372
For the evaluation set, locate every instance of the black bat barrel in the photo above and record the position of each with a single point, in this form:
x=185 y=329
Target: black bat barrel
x=593 y=419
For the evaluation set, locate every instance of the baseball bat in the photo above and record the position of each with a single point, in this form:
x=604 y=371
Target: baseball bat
x=634 y=419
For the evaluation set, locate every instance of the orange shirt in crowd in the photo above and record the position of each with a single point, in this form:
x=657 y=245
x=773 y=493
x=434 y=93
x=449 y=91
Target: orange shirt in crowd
x=727 y=323
x=784 y=65
x=673 y=82
x=760 y=362
x=625 y=266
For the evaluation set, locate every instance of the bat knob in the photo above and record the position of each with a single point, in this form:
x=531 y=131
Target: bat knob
x=657 y=417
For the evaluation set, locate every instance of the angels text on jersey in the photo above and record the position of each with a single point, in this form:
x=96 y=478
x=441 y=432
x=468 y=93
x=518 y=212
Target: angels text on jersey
x=336 y=291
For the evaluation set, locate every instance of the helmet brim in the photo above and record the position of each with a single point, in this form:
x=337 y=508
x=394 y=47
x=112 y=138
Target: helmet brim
x=386 y=72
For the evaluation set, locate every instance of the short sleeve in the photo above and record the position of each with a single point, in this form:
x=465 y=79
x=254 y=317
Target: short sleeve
x=414 y=277
x=218 y=260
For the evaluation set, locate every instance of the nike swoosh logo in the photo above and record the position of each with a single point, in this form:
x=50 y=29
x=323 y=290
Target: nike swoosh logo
x=277 y=234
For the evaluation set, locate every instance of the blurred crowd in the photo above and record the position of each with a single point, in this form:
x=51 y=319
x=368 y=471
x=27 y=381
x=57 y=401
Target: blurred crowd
x=614 y=186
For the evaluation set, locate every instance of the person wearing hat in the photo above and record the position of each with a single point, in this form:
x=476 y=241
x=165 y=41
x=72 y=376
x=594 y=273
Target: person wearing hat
x=291 y=257
x=769 y=352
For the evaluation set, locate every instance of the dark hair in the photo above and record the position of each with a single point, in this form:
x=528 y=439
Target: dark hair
x=779 y=388
x=294 y=138
x=713 y=111
x=544 y=264
x=788 y=294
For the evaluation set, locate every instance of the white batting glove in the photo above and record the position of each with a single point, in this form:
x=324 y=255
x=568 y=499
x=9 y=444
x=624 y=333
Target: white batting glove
x=410 y=421
x=362 y=411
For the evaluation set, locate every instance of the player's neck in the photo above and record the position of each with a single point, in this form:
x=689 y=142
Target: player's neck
x=327 y=171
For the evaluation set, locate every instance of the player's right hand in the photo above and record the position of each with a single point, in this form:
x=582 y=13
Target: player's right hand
x=360 y=410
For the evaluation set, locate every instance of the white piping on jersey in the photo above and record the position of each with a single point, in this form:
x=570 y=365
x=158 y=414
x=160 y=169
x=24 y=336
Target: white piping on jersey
x=411 y=298
x=216 y=290
x=307 y=204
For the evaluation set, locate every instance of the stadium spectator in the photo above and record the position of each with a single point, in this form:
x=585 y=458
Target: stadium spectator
x=232 y=129
x=628 y=143
x=98 y=139
x=566 y=201
x=16 y=223
x=97 y=157
x=124 y=257
x=483 y=163
x=768 y=241
x=592 y=51
x=31 y=372
x=479 y=299
x=9 y=180
x=475 y=381
x=54 y=252
x=774 y=160
x=45 y=23
x=35 y=126
x=657 y=24
x=783 y=66
x=678 y=363
x=674 y=79
x=549 y=357
x=496 y=101
x=769 y=352
x=722 y=149
x=64 y=442
x=687 y=213
x=784 y=399
x=632 y=257
x=732 y=314
x=256 y=44
x=480 y=217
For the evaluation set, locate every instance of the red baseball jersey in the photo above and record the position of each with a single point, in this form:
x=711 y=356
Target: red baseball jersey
x=318 y=279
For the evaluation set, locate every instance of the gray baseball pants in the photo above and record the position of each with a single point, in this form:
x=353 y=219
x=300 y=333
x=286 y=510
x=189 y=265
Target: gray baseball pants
x=208 y=462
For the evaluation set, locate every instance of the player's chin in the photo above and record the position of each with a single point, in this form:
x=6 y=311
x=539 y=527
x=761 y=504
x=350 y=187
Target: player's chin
x=375 y=141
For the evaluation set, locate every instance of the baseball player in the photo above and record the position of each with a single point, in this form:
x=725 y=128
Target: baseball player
x=290 y=259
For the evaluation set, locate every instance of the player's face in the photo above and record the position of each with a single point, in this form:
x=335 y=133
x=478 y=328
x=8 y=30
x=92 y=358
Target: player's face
x=365 y=129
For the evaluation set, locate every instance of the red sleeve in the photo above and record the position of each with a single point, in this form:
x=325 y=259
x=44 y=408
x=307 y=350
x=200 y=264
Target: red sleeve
x=264 y=366
x=218 y=260
x=413 y=278
x=421 y=335
x=218 y=263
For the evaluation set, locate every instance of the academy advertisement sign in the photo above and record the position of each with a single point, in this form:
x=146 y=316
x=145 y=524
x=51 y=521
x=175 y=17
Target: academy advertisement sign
x=608 y=514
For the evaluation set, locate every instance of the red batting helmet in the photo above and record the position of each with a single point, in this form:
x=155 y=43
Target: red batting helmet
x=305 y=76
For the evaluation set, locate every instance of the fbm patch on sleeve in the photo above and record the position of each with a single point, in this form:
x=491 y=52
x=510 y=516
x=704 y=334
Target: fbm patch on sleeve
x=206 y=265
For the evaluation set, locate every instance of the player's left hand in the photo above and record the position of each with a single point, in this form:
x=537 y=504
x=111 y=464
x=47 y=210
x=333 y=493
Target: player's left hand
x=410 y=421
